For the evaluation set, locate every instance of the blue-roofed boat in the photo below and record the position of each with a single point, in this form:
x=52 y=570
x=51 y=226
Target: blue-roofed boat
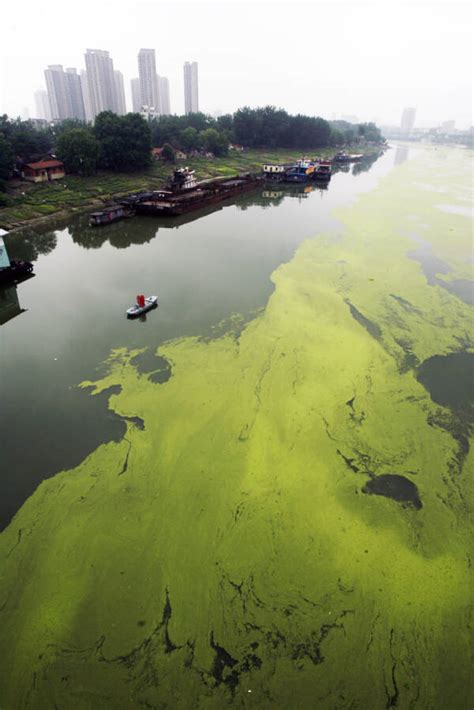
x=302 y=171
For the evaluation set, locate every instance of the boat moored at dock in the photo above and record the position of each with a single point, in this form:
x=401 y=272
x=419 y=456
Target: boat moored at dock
x=170 y=204
x=109 y=214
x=323 y=171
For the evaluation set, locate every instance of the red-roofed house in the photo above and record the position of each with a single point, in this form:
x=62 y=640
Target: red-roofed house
x=43 y=170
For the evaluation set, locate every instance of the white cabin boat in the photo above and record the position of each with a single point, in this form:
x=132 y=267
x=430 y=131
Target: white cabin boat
x=142 y=307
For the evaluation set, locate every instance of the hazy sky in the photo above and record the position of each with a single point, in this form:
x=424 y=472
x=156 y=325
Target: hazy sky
x=369 y=59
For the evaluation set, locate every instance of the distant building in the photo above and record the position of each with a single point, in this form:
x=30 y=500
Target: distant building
x=76 y=100
x=58 y=92
x=408 y=120
x=148 y=79
x=43 y=109
x=164 y=96
x=101 y=80
x=120 y=91
x=86 y=96
x=136 y=100
x=191 y=89
x=448 y=126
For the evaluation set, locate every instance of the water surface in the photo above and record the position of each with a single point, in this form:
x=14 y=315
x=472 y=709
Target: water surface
x=287 y=519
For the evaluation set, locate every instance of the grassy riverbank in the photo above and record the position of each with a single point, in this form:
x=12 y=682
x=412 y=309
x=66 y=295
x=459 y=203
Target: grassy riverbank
x=27 y=202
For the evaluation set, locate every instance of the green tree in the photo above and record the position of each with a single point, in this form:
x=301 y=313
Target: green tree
x=167 y=153
x=6 y=157
x=370 y=132
x=214 y=142
x=189 y=138
x=337 y=137
x=226 y=123
x=124 y=141
x=79 y=149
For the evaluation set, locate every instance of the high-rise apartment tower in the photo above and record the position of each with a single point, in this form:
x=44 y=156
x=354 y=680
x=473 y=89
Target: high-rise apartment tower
x=191 y=90
x=101 y=81
x=43 y=109
x=148 y=79
x=74 y=88
x=58 y=94
x=120 y=92
x=136 y=99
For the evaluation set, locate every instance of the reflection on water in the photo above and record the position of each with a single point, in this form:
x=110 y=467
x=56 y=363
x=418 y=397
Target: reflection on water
x=204 y=267
x=401 y=154
x=28 y=245
x=9 y=304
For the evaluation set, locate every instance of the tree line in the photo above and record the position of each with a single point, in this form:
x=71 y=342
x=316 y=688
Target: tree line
x=265 y=127
x=123 y=143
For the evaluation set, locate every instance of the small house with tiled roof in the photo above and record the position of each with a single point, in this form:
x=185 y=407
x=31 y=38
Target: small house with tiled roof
x=43 y=170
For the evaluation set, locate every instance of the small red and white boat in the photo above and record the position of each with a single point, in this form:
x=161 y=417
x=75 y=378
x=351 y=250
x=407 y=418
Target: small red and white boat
x=142 y=306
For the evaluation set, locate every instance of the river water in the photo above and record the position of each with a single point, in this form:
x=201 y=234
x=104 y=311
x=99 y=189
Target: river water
x=203 y=268
x=261 y=495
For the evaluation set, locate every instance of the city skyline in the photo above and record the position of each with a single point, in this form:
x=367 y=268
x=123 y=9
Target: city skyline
x=379 y=64
x=100 y=87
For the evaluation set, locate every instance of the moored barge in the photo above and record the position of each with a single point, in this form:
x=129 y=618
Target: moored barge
x=166 y=203
x=109 y=214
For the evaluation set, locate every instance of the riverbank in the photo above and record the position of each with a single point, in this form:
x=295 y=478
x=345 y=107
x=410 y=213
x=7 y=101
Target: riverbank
x=29 y=204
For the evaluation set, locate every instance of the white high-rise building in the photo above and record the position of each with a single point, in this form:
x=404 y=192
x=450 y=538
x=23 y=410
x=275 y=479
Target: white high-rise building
x=64 y=93
x=43 y=109
x=148 y=79
x=101 y=79
x=58 y=92
x=86 y=96
x=136 y=97
x=191 y=89
x=408 y=120
x=164 y=96
x=74 y=89
x=120 y=91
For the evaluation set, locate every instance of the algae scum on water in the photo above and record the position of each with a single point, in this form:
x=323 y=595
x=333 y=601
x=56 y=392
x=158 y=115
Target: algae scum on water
x=287 y=521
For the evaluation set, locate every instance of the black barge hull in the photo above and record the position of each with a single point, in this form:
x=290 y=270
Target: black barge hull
x=196 y=199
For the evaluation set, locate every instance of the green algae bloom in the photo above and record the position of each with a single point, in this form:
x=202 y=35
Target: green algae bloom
x=287 y=522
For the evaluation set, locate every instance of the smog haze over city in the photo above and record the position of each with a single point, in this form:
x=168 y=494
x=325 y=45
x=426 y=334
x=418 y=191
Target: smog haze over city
x=366 y=60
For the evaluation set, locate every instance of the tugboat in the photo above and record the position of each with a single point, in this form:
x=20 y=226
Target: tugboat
x=183 y=179
x=12 y=271
x=301 y=172
x=142 y=306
